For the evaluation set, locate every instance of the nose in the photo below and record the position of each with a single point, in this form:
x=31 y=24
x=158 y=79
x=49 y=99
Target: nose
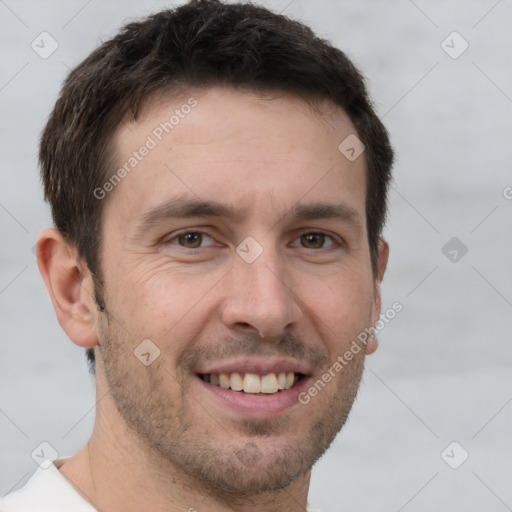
x=260 y=298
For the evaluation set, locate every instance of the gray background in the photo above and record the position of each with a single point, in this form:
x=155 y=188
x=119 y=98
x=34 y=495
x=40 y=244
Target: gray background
x=443 y=369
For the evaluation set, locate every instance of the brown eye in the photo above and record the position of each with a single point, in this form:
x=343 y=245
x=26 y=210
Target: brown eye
x=190 y=240
x=313 y=240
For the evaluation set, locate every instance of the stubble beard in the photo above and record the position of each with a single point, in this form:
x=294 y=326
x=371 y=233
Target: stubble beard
x=258 y=457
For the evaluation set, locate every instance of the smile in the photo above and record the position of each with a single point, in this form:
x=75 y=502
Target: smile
x=253 y=387
x=253 y=383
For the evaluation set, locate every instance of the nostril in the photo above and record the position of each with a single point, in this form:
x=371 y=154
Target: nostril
x=247 y=327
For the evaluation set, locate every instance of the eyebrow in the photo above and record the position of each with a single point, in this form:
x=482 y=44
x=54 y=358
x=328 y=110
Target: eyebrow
x=182 y=208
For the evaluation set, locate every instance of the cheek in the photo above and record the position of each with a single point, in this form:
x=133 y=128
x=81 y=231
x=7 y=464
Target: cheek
x=160 y=301
x=342 y=308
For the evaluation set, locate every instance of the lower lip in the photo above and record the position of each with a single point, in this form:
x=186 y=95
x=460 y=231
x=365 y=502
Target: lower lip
x=256 y=405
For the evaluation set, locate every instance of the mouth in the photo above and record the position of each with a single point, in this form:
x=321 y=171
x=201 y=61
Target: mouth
x=250 y=389
x=253 y=383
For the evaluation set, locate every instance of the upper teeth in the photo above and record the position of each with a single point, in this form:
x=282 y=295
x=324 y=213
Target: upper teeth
x=251 y=382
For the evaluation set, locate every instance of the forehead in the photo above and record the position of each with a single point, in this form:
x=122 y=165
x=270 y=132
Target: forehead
x=238 y=146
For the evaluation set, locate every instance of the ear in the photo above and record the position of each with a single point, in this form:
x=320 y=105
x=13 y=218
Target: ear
x=382 y=261
x=70 y=287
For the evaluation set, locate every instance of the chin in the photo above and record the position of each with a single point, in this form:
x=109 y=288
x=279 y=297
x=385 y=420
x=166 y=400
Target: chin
x=256 y=467
x=250 y=481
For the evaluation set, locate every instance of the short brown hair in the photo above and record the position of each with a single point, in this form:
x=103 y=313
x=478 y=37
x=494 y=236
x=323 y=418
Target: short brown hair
x=199 y=44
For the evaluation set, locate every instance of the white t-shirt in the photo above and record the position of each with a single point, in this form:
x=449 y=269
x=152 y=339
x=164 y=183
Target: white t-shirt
x=49 y=491
x=46 y=491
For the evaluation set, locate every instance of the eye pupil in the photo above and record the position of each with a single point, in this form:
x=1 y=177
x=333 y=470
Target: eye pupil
x=190 y=240
x=314 y=240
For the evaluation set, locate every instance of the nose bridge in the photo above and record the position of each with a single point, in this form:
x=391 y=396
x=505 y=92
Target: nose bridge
x=260 y=295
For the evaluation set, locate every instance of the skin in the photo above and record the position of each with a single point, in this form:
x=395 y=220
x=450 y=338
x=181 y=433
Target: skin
x=157 y=430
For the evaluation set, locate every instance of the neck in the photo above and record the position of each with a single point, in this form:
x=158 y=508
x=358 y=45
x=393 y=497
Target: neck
x=116 y=471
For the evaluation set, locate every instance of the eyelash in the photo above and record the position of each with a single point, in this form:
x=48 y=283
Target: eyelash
x=333 y=244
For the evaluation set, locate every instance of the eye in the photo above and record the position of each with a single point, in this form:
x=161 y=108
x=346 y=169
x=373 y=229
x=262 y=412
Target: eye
x=315 y=240
x=192 y=239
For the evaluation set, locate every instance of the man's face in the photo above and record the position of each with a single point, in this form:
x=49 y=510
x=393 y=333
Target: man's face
x=282 y=286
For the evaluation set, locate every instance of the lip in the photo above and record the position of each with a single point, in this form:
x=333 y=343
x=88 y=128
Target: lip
x=258 y=366
x=255 y=405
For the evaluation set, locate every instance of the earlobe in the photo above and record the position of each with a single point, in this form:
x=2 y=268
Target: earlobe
x=70 y=287
x=371 y=345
